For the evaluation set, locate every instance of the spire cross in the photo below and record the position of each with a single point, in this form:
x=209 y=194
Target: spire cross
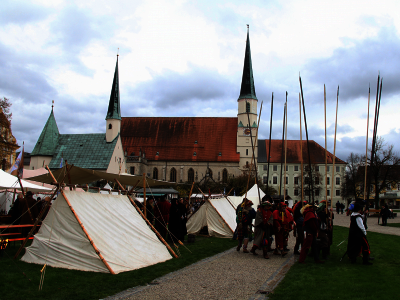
x=52 y=104
x=118 y=52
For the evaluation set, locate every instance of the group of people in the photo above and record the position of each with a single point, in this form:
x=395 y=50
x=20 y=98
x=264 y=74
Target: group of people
x=25 y=210
x=311 y=224
x=169 y=218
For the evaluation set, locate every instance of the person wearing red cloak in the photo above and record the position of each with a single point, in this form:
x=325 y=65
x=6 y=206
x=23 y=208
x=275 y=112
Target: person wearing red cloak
x=283 y=221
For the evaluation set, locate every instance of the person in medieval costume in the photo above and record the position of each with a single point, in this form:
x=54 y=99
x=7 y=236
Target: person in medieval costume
x=311 y=228
x=298 y=231
x=323 y=230
x=283 y=221
x=161 y=213
x=150 y=210
x=262 y=228
x=357 y=241
x=244 y=217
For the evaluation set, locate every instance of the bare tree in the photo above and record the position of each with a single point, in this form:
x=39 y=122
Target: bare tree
x=315 y=187
x=385 y=169
x=351 y=185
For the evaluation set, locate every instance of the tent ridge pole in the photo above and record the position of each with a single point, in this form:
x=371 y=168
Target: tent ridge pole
x=87 y=234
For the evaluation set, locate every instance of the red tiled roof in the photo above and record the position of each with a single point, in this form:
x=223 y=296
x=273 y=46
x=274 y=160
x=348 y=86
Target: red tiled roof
x=174 y=138
x=317 y=152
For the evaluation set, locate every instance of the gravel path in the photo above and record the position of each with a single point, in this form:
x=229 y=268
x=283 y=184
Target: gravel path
x=228 y=275
x=372 y=223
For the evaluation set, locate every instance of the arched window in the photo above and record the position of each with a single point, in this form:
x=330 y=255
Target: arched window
x=210 y=173
x=191 y=175
x=155 y=173
x=110 y=126
x=247 y=107
x=172 y=175
x=224 y=176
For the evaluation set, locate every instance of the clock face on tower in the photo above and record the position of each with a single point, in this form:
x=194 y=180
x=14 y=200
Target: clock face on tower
x=246 y=131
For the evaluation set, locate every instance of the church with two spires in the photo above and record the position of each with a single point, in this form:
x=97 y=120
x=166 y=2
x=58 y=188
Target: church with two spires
x=175 y=149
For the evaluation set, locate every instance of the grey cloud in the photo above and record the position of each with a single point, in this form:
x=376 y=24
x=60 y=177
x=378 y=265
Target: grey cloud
x=75 y=28
x=175 y=90
x=17 y=80
x=21 y=12
x=353 y=68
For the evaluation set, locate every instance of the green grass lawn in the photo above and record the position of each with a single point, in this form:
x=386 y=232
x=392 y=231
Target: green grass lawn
x=342 y=280
x=393 y=224
x=69 y=284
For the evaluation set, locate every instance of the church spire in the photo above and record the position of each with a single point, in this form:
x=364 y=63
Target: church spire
x=247 y=90
x=114 y=111
x=48 y=139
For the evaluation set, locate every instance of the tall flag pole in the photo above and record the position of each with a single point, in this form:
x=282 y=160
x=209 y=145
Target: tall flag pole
x=311 y=195
x=269 y=141
x=301 y=155
x=284 y=182
x=334 y=146
x=366 y=148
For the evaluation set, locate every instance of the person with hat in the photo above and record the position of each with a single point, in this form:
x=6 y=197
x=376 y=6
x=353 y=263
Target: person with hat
x=298 y=223
x=262 y=226
x=311 y=228
x=357 y=241
x=244 y=218
x=323 y=230
x=283 y=221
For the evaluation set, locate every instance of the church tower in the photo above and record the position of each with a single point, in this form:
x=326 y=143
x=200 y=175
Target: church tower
x=113 y=118
x=247 y=109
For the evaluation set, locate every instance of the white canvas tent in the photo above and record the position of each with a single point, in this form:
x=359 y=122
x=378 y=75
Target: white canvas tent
x=217 y=214
x=10 y=183
x=252 y=195
x=116 y=229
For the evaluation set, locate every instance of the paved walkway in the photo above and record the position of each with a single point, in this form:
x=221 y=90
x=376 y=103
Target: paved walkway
x=372 y=223
x=228 y=275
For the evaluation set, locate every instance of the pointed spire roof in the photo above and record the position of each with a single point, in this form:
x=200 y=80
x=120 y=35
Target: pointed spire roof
x=247 y=90
x=114 y=111
x=48 y=139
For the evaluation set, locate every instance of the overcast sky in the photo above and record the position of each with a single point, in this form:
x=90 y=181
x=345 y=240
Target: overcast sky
x=185 y=58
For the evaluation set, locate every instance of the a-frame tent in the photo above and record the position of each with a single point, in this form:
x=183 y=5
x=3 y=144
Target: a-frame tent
x=217 y=214
x=95 y=232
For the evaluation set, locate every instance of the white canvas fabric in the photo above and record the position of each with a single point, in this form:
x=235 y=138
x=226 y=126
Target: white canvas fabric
x=8 y=181
x=236 y=200
x=118 y=231
x=217 y=214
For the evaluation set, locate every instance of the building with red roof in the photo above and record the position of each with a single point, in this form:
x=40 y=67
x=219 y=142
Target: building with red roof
x=296 y=154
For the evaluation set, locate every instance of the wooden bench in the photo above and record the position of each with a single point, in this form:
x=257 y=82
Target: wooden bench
x=7 y=227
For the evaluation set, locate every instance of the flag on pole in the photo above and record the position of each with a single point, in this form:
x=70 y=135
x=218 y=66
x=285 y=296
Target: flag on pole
x=18 y=167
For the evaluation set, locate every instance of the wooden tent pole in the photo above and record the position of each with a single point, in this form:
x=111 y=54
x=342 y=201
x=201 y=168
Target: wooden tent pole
x=334 y=145
x=38 y=218
x=366 y=147
x=26 y=202
x=87 y=234
x=191 y=190
x=147 y=221
x=83 y=228
x=301 y=156
x=144 y=195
